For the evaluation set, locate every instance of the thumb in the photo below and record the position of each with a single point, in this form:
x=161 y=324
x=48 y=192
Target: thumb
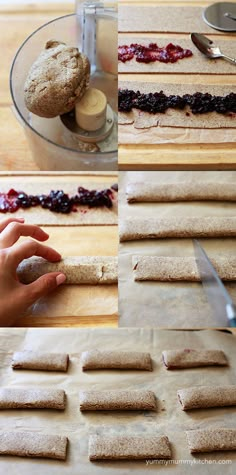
x=43 y=285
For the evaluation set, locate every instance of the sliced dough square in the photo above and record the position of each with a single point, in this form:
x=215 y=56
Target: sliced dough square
x=155 y=228
x=191 y=358
x=207 y=396
x=31 y=444
x=171 y=269
x=18 y=398
x=209 y=440
x=186 y=191
x=99 y=359
x=78 y=270
x=133 y=400
x=38 y=360
x=129 y=447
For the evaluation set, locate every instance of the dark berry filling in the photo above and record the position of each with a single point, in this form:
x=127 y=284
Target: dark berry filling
x=147 y=54
x=56 y=201
x=199 y=103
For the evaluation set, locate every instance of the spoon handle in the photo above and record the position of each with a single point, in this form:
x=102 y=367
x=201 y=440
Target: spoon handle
x=231 y=60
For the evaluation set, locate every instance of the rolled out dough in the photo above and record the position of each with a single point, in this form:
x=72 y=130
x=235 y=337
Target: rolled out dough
x=78 y=270
x=99 y=359
x=129 y=447
x=158 y=192
x=131 y=229
x=118 y=400
x=166 y=269
x=207 y=396
x=209 y=440
x=31 y=444
x=37 y=360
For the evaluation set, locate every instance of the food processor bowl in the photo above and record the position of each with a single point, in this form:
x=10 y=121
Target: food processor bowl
x=53 y=146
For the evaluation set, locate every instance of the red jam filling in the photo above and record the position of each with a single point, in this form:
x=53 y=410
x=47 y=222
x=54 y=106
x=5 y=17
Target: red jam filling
x=151 y=53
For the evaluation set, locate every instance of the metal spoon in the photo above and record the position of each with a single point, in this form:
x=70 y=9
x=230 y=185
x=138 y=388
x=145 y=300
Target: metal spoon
x=208 y=48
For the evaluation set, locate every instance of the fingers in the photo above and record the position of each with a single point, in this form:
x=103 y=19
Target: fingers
x=26 y=249
x=14 y=230
x=7 y=221
x=43 y=285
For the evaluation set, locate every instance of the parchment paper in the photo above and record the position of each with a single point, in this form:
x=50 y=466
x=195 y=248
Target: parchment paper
x=166 y=19
x=169 y=419
x=198 y=63
x=170 y=305
x=44 y=217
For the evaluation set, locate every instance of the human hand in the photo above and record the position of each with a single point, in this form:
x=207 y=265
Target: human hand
x=15 y=298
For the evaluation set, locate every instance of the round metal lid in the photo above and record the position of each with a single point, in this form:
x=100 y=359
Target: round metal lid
x=221 y=16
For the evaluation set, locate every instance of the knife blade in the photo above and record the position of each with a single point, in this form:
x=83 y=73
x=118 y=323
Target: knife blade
x=224 y=310
x=202 y=43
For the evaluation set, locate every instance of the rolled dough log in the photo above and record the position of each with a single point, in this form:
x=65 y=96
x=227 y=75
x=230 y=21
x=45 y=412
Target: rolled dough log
x=185 y=191
x=129 y=447
x=209 y=440
x=167 y=269
x=153 y=228
x=133 y=400
x=78 y=270
x=31 y=444
x=26 y=398
x=99 y=359
x=207 y=396
x=191 y=358
x=38 y=360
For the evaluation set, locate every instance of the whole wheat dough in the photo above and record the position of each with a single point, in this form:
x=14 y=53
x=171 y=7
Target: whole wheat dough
x=171 y=269
x=38 y=360
x=153 y=228
x=100 y=359
x=209 y=440
x=175 y=117
x=152 y=19
x=57 y=80
x=132 y=400
x=31 y=444
x=191 y=358
x=130 y=447
x=28 y=398
x=78 y=270
x=185 y=191
x=207 y=396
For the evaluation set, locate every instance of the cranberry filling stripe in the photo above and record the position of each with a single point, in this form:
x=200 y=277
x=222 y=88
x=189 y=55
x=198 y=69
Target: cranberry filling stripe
x=158 y=102
x=151 y=53
x=57 y=201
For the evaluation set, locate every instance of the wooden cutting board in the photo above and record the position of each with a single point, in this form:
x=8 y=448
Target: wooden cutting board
x=73 y=305
x=176 y=156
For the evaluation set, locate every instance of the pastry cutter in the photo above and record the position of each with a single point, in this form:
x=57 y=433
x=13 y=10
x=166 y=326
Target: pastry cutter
x=208 y=47
x=218 y=297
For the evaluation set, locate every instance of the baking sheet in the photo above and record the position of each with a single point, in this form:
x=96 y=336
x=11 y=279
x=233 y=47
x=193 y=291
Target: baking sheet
x=44 y=217
x=198 y=63
x=171 y=18
x=169 y=419
x=163 y=304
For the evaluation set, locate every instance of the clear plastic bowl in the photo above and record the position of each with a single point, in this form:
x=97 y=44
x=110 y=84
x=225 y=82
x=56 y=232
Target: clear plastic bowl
x=52 y=148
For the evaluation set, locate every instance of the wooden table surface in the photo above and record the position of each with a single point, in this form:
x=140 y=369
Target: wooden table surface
x=74 y=305
x=176 y=156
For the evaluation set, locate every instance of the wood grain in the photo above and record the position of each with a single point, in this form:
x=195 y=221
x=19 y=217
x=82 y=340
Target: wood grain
x=177 y=156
